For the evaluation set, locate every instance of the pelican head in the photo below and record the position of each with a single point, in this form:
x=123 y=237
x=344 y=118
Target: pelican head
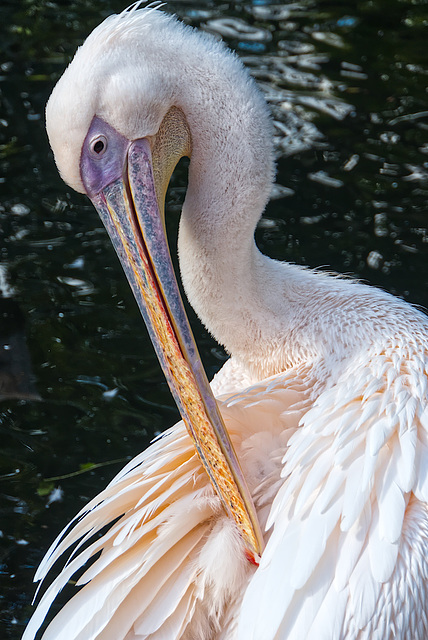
x=118 y=77
x=118 y=121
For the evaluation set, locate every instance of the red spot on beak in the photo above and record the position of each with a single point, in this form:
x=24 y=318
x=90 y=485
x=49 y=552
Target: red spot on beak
x=252 y=558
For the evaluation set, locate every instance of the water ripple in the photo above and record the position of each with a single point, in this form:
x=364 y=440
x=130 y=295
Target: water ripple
x=236 y=28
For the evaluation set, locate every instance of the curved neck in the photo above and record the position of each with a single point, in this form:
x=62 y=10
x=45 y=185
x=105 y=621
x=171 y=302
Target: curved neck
x=270 y=315
x=230 y=178
x=265 y=313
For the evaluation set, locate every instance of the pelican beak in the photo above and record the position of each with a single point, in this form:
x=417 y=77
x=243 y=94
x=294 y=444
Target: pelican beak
x=130 y=208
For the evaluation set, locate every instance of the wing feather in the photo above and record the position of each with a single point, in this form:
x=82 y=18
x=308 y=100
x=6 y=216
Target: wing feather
x=355 y=451
x=348 y=472
x=148 y=540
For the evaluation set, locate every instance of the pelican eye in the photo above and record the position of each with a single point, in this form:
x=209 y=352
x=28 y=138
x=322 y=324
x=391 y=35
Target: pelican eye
x=98 y=145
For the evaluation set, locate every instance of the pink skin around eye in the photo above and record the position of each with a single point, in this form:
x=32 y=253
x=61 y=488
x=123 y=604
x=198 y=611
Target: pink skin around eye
x=98 y=170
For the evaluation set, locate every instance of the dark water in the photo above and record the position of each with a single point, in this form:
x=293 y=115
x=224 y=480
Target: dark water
x=80 y=388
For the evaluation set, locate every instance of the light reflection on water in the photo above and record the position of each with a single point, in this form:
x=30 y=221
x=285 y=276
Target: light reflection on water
x=348 y=98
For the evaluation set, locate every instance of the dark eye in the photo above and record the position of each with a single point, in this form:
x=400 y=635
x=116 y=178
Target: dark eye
x=98 y=145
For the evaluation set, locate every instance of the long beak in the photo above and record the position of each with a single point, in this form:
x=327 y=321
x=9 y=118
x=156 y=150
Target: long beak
x=130 y=211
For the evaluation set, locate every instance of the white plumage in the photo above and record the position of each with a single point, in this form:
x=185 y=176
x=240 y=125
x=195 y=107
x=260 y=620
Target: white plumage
x=325 y=395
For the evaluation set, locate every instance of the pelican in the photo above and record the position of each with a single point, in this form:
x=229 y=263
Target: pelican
x=295 y=505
